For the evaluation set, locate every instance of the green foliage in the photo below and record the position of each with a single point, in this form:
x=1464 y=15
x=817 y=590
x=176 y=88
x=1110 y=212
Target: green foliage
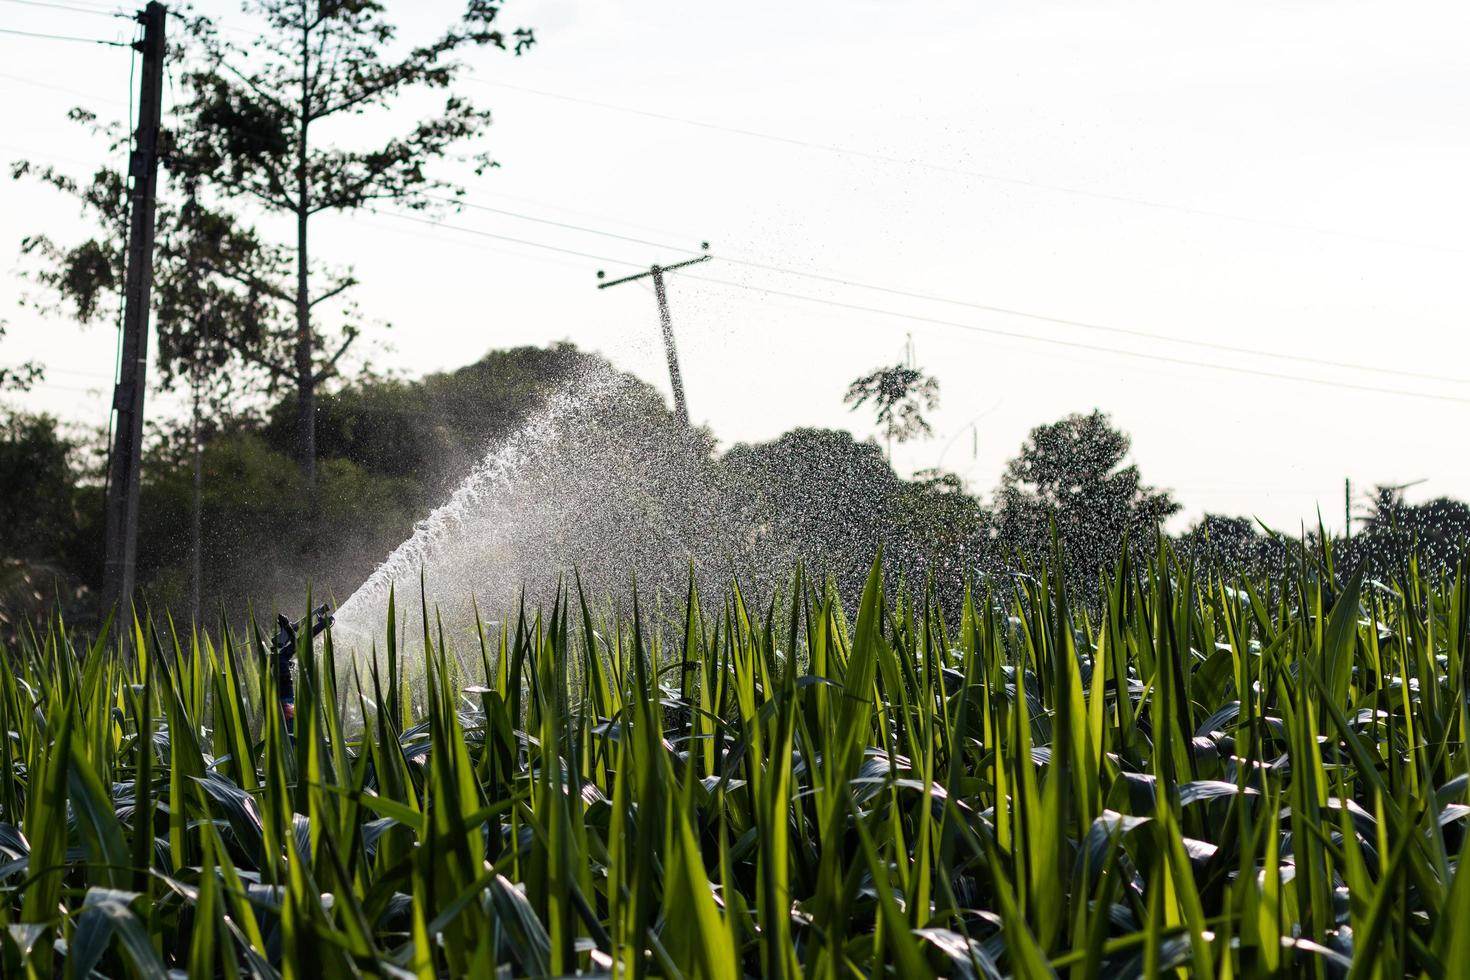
x=942 y=529
x=813 y=494
x=1197 y=779
x=210 y=308
x=37 y=482
x=261 y=530
x=900 y=395
x=263 y=124
x=46 y=513
x=432 y=428
x=1393 y=531
x=1074 y=474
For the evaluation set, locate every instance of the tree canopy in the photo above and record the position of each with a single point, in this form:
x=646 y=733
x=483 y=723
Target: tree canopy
x=1075 y=473
x=254 y=131
x=900 y=395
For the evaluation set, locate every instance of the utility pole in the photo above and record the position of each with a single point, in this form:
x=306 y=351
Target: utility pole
x=127 y=399
x=676 y=379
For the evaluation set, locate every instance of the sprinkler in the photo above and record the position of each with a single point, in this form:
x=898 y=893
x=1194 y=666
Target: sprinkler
x=283 y=648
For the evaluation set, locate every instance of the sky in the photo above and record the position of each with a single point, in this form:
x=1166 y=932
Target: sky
x=1175 y=212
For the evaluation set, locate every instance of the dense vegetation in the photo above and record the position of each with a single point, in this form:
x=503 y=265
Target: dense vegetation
x=391 y=450
x=1230 y=777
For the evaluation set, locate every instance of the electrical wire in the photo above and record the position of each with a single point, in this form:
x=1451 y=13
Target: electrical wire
x=67 y=7
x=974 y=328
x=502 y=238
x=986 y=307
x=64 y=37
x=77 y=93
x=1105 y=328
x=966 y=172
x=866 y=154
x=551 y=223
x=1078 y=345
x=96 y=390
x=80 y=374
x=854 y=283
x=898 y=160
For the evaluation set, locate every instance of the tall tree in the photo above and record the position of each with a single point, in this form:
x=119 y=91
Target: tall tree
x=204 y=310
x=900 y=396
x=255 y=131
x=205 y=313
x=1075 y=472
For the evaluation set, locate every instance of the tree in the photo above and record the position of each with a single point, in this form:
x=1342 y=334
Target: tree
x=37 y=482
x=1435 y=533
x=1074 y=472
x=814 y=495
x=937 y=530
x=1235 y=546
x=42 y=528
x=199 y=315
x=252 y=132
x=900 y=395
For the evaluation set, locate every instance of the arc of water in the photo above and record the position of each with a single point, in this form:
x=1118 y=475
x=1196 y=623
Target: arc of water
x=494 y=472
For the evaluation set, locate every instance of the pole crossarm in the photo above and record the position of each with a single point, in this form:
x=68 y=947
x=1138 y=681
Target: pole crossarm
x=655 y=270
x=666 y=324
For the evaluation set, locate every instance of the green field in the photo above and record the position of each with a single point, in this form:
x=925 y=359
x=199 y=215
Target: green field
x=1170 y=772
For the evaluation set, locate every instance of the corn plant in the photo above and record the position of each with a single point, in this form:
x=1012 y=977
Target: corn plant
x=1172 y=775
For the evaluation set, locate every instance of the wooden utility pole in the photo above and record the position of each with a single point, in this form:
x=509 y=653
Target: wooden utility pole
x=127 y=399
x=676 y=379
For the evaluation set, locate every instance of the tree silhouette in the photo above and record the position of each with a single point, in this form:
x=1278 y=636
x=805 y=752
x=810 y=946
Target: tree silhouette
x=205 y=313
x=253 y=133
x=900 y=395
x=1074 y=472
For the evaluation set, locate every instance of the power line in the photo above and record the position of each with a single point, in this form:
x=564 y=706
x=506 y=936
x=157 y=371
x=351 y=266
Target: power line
x=1099 y=348
x=97 y=390
x=853 y=151
x=77 y=93
x=64 y=37
x=503 y=238
x=1122 y=331
x=987 y=307
x=487 y=248
x=66 y=7
x=974 y=328
x=554 y=224
x=81 y=374
x=964 y=171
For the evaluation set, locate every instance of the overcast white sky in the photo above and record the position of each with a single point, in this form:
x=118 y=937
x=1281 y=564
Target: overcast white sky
x=1283 y=177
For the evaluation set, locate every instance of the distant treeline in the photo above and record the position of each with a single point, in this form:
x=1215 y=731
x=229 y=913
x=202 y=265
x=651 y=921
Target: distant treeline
x=628 y=490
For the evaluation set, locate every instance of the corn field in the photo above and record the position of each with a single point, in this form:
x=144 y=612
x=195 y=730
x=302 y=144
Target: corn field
x=1169 y=774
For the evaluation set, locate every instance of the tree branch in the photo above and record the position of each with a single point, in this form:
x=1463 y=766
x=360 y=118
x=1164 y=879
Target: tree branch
x=247 y=278
x=337 y=290
x=330 y=368
x=255 y=358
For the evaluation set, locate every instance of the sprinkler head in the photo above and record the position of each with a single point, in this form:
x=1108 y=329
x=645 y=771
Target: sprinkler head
x=284 y=644
x=283 y=648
